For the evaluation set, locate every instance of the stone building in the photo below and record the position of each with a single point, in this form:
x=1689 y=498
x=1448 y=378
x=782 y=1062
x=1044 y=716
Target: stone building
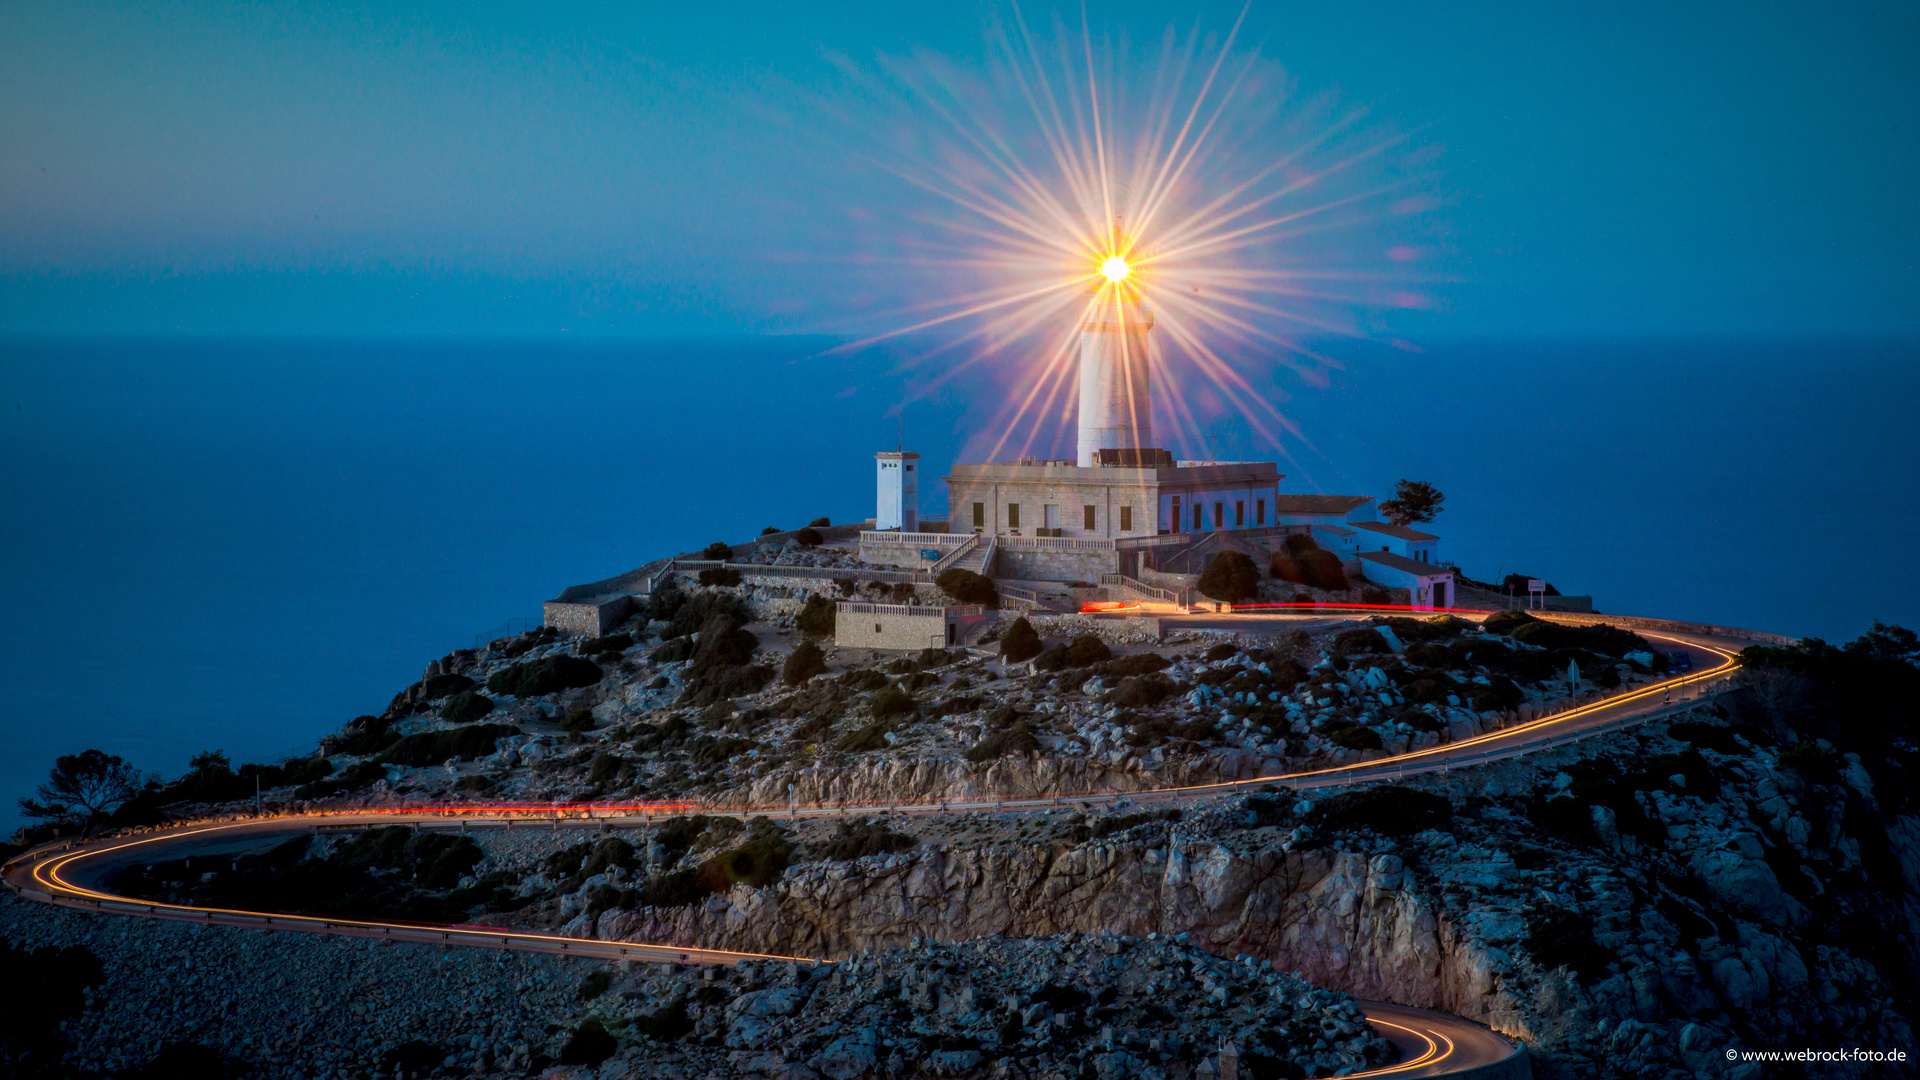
x=1128 y=495
x=904 y=626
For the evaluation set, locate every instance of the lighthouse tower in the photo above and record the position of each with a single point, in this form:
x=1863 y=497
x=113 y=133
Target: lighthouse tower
x=1116 y=406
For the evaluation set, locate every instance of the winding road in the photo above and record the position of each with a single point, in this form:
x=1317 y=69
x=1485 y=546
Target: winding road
x=1430 y=1044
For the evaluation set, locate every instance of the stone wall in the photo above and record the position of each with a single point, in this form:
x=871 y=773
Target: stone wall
x=1028 y=565
x=589 y=618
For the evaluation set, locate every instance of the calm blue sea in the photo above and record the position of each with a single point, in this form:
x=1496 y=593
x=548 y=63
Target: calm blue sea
x=241 y=543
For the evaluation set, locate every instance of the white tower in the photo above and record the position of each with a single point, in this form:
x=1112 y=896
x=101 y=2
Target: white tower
x=899 y=490
x=1116 y=407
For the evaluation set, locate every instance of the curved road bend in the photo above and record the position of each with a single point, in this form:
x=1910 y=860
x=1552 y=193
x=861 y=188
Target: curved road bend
x=1430 y=1043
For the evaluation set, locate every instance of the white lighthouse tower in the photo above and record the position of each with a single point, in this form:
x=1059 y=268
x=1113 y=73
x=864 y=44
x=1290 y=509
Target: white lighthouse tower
x=899 y=479
x=1116 y=406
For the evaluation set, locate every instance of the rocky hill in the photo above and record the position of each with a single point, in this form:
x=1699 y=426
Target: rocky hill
x=1637 y=904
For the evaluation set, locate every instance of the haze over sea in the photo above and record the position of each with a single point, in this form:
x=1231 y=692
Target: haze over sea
x=241 y=543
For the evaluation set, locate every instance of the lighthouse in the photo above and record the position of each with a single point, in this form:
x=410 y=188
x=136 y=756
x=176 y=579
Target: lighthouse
x=1116 y=404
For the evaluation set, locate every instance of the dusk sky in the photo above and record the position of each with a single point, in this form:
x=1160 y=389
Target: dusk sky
x=484 y=167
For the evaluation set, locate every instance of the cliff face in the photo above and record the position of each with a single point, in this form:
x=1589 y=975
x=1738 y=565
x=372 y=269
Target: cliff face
x=1634 y=907
x=1339 y=918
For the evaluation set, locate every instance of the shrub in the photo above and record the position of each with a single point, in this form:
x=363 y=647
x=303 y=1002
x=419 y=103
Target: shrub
x=1353 y=737
x=891 y=701
x=1141 y=691
x=1300 y=542
x=720 y=577
x=1601 y=638
x=1359 y=640
x=1560 y=938
x=1812 y=763
x=1018 y=739
x=674 y=651
x=548 y=675
x=901 y=592
x=466 y=707
x=611 y=643
x=1506 y=622
x=1230 y=576
x=441 y=685
x=819 y=523
x=434 y=747
x=1020 y=642
x=590 y=1044
x=1420 y=720
x=1220 y=652
x=718 y=551
x=1321 y=569
x=577 y=720
x=858 y=839
x=817 y=617
x=806 y=661
x=476 y=785
x=1389 y=809
x=968 y=587
x=809 y=537
x=768 y=531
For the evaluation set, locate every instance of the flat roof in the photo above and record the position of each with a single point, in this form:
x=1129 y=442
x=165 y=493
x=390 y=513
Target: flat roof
x=1398 y=531
x=1319 y=504
x=1064 y=472
x=1404 y=564
x=1337 y=530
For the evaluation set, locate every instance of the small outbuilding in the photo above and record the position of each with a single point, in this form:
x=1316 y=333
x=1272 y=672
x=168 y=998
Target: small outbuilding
x=912 y=627
x=1407 y=543
x=1428 y=587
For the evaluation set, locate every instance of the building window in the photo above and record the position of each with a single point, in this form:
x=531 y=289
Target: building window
x=1178 y=521
x=1239 y=513
x=909 y=468
x=1259 y=511
x=1089 y=517
x=1198 y=523
x=979 y=515
x=1013 y=515
x=876 y=628
x=1219 y=514
x=1126 y=519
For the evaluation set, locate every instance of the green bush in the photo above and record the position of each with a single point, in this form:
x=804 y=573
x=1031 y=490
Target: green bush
x=1811 y=762
x=858 y=839
x=1506 y=622
x=441 y=685
x=1300 y=542
x=720 y=577
x=892 y=701
x=1389 y=809
x=718 y=551
x=809 y=537
x=1085 y=650
x=674 y=651
x=577 y=720
x=1321 y=569
x=1601 y=638
x=1353 y=736
x=434 y=747
x=590 y=1044
x=611 y=643
x=548 y=675
x=1020 y=642
x=1230 y=576
x=768 y=531
x=819 y=523
x=1360 y=640
x=466 y=707
x=817 y=617
x=1142 y=691
x=1018 y=739
x=968 y=587
x=806 y=661
x=1420 y=720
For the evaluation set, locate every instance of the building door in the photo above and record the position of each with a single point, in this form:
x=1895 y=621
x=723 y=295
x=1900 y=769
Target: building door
x=1053 y=516
x=1178 y=521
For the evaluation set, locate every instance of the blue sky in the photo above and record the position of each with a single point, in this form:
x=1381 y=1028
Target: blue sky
x=484 y=167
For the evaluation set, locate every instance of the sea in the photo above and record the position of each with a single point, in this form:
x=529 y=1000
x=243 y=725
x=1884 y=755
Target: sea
x=240 y=543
